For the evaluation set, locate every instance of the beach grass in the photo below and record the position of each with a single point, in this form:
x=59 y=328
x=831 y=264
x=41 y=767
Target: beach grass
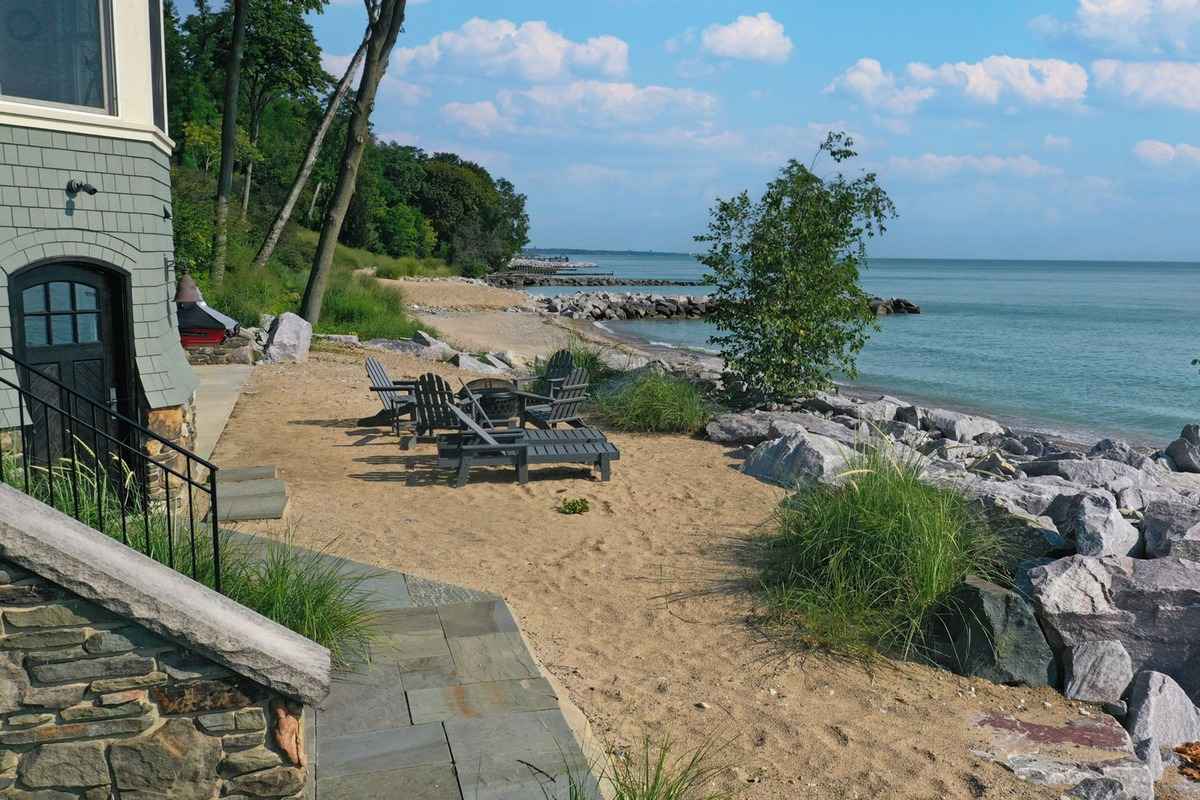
x=653 y=402
x=359 y=304
x=410 y=267
x=858 y=568
x=316 y=597
x=659 y=770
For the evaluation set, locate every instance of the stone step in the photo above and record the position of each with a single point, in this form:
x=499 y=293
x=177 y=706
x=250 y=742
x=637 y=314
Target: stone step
x=251 y=488
x=250 y=507
x=239 y=474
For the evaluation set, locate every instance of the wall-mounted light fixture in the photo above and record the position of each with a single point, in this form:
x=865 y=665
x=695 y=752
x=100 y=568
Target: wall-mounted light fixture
x=74 y=187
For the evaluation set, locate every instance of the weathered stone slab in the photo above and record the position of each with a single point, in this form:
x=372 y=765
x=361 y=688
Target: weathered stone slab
x=56 y=616
x=53 y=696
x=389 y=749
x=123 y=684
x=77 y=730
x=426 y=782
x=121 y=641
x=29 y=595
x=38 y=640
x=113 y=667
x=175 y=761
x=14 y=682
x=492 y=657
x=477 y=619
x=481 y=699
x=239 y=763
x=274 y=782
x=74 y=764
x=88 y=712
x=205 y=696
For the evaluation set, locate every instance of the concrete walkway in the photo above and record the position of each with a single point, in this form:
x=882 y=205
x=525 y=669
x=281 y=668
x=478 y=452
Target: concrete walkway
x=218 y=392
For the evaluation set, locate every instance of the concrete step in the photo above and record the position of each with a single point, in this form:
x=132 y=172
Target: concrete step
x=239 y=474
x=251 y=488
x=249 y=507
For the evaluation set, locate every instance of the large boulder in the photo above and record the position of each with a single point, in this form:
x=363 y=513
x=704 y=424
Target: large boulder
x=1098 y=672
x=1092 y=473
x=1093 y=520
x=1151 y=606
x=989 y=632
x=956 y=425
x=755 y=427
x=289 y=339
x=473 y=364
x=1161 y=717
x=1029 y=496
x=1118 y=450
x=877 y=410
x=796 y=459
x=1172 y=528
x=1184 y=452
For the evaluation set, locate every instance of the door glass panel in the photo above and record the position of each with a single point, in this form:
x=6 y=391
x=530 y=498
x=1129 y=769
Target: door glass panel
x=60 y=296
x=85 y=297
x=35 y=332
x=89 y=328
x=34 y=299
x=62 y=331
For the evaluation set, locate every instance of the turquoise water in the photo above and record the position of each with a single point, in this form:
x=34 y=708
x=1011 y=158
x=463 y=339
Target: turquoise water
x=1087 y=349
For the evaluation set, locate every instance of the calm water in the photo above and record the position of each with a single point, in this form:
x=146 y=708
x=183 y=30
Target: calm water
x=1082 y=348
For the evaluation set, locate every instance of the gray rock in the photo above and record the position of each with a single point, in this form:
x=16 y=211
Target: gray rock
x=289 y=339
x=994 y=464
x=274 y=782
x=343 y=339
x=959 y=426
x=797 y=459
x=1129 y=773
x=240 y=763
x=1161 y=716
x=1117 y=450
x=1092 y=519
x=1098 y=789
x=13 y=682
x=912 y=415
x=1098 y=672
x=785 y=424
x=1032 y=497
x=1184 y=452
x=469 y=362
x=1092 y=473
x=989 y=632
x=90 y=669
x=175 y=761
x=1172 y=528
x=878 y=410
x=1151 y=606
x=71 y=764
x=740 y=429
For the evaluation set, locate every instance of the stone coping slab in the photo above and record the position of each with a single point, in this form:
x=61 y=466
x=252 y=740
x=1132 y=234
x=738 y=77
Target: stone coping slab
x=131 y=585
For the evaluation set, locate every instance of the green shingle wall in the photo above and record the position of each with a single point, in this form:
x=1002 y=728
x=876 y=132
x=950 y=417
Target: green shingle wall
x=122 y=225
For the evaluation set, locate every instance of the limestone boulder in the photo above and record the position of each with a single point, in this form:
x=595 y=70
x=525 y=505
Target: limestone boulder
x=473 y=364
x=958 y=426
x=1092 y=473
x=1152 y=607
x=1172 y=528
x=1094 y=522
x=756 y=427
x=989 y=632
x=878 y=409
x=1161 y=717
x=798 y=458
x=1184 y=452
x=1118 y=450
x=1097 y=672
x=174 y=762
x=289 y=339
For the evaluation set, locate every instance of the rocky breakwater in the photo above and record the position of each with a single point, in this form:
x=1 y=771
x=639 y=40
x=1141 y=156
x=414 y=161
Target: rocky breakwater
x=617 y=305
x=1104 y=603
x=521 y=280
x=893 y=305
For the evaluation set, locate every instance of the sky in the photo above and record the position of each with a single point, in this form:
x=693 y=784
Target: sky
x=1022 y=129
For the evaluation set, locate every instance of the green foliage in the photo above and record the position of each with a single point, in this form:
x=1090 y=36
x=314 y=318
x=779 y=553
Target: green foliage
x=356 y=303
x=575 y=505
x=859 y=567
x=317 y=598
x=654 y=403
x=406 y=267
x=657 y=773
x=596 y=359
x=790 y=311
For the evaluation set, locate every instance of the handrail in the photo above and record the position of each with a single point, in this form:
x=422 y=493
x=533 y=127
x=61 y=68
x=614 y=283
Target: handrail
x=121 y=478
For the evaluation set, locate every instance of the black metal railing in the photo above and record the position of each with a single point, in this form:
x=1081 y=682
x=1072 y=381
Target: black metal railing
x=109 y=471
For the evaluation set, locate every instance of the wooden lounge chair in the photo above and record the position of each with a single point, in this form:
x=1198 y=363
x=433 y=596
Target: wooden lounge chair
x=564 y=406
x=520 y=448
x=396 y=396
x=558 y=369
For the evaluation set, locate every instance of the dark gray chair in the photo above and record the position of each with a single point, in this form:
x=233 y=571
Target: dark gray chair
x=396 y=396
x=558 y=369
x=564 y=406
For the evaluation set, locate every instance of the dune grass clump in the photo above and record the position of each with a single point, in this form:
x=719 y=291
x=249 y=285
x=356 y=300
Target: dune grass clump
x=859 y=568
x=410 y=267
x=315 y=597
x=658 y=771
x=654 y=403
x=357 y=303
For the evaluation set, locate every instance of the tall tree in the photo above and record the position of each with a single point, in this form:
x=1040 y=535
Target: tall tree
x=310 y=158
x=233 y=76
x=386 y=19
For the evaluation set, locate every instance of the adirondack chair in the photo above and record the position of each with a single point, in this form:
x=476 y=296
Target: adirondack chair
x=558 y=369
x=396 y=396
x=435 y=404
x=564 y=406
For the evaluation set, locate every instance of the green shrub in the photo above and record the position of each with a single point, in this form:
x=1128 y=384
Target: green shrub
x=356 y=303
x=654 y=403
x=409 y=267
x=577 y=505
x=317 y=598
x=859 y=567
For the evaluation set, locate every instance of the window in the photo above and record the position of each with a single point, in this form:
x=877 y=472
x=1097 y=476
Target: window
x=157 y=67
x=57 y=52
x=60 y=312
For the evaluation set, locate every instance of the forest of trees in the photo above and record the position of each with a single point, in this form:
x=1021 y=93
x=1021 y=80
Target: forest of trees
x=405 y=202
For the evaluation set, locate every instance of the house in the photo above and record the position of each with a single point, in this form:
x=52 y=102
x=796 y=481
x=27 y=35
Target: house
x=86 y=252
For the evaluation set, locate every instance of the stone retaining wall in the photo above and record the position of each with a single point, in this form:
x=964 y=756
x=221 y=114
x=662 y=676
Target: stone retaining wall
x=95 y=707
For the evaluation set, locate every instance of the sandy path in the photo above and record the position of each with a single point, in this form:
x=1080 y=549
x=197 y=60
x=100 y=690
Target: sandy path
x=590 y=592
x=457 y=294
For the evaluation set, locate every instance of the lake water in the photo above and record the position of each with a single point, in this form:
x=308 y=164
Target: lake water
x=1086 y=349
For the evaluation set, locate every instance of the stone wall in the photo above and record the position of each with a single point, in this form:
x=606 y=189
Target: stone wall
x=176 y=424
x=94 y=706
x=239 y=349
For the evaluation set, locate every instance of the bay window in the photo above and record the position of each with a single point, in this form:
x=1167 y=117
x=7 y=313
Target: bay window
x=57 y=52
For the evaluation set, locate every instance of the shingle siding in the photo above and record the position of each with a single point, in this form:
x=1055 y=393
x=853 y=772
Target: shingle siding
x=123 y=225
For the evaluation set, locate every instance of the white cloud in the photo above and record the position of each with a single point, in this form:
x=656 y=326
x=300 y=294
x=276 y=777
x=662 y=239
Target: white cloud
x=1037 y=81
x=606 y=104
x=531 y=51
x=1139 y=25
x=1163 y=83
x=750 y=38
x=482 y=117
x=1158 y=154
x=934 y=167
x=592 y=174
x=878 y=88
x=1052 y=142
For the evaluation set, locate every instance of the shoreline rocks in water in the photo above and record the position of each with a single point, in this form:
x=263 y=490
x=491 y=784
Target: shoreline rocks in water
x=608 y=306
x=893 y=305
x=507 y=280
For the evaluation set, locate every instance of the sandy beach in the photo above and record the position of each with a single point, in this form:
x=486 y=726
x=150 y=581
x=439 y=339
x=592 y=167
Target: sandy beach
x=644 y=608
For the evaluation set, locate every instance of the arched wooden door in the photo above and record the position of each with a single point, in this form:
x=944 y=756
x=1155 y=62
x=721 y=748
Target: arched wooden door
x=69 y=323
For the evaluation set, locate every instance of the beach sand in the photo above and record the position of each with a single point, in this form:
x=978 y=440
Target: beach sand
x=642 y=608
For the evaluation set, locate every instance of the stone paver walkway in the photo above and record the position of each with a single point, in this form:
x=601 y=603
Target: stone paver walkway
x=217 y=393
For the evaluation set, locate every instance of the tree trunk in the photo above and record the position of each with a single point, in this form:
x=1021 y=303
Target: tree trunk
x=310 y=161
x=312 y=207
x=228 y=140
x=385 y=27
x=255 y=125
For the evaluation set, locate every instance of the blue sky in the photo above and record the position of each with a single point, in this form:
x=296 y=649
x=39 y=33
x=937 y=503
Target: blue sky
x=1022 y=129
